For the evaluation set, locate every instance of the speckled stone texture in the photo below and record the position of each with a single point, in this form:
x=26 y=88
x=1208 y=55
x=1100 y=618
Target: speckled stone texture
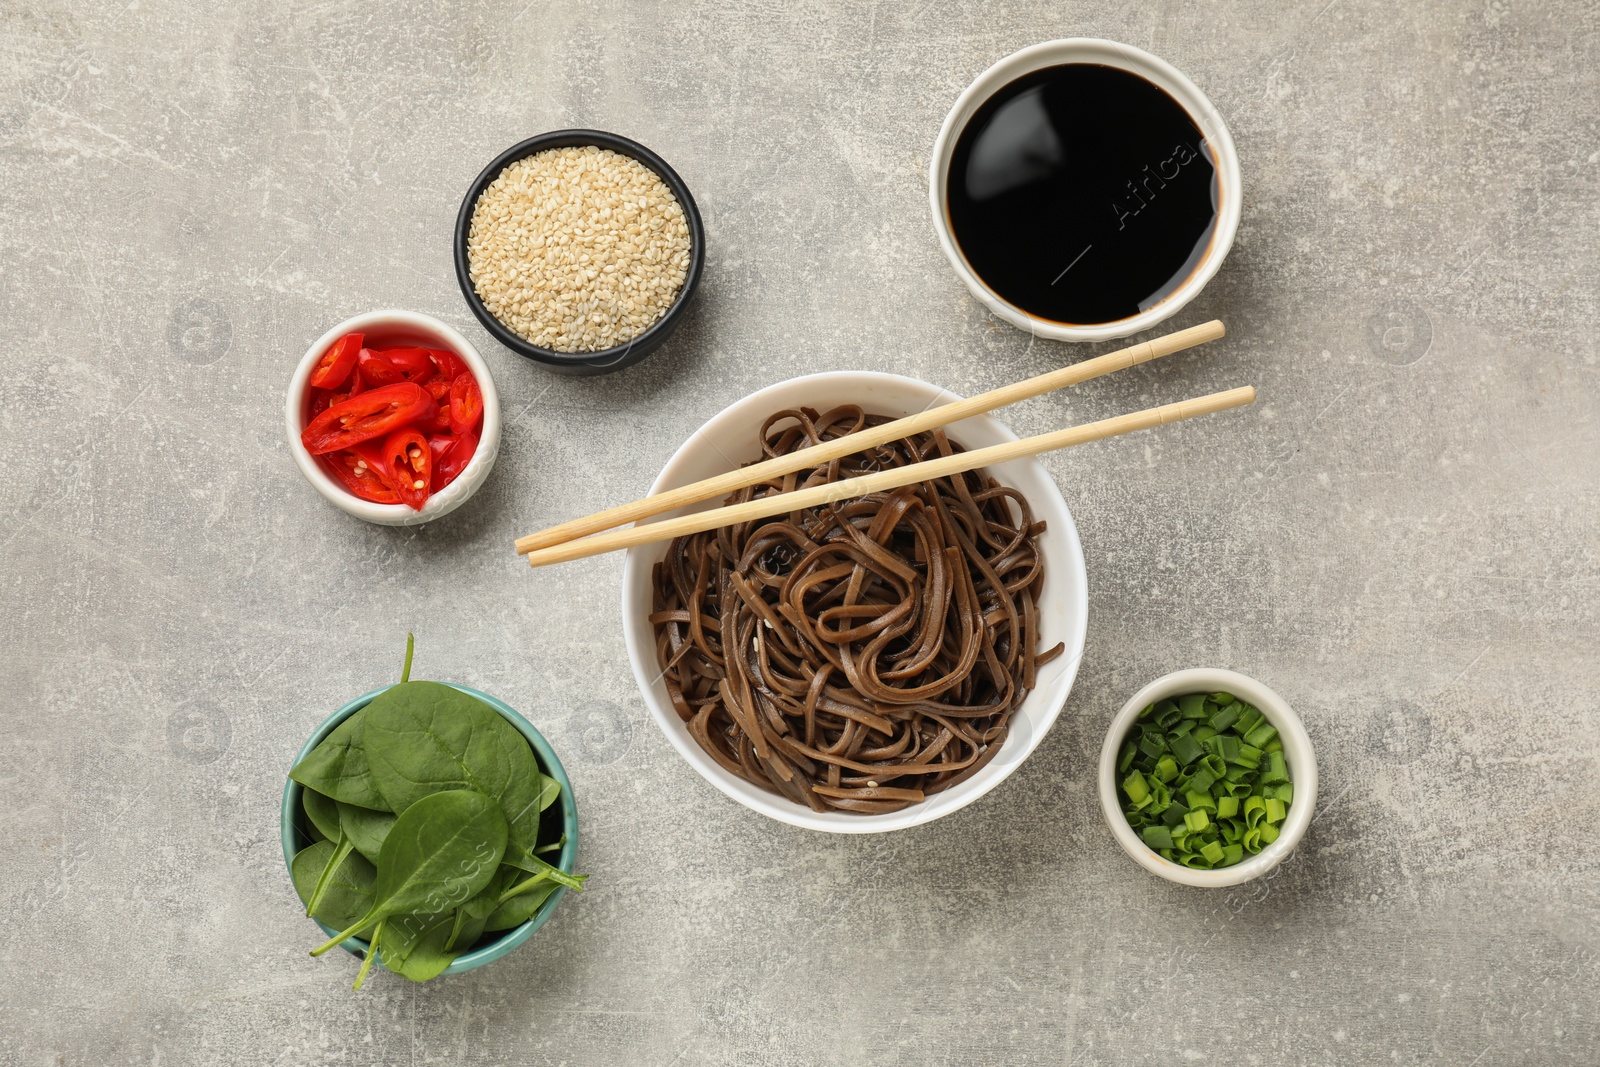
x=1401 y=537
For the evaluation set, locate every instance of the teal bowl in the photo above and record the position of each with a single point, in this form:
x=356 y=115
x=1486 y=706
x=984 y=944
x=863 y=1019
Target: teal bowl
x=565 y=809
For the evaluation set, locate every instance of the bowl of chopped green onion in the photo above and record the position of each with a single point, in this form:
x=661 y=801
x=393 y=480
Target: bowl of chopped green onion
x=1207 y=778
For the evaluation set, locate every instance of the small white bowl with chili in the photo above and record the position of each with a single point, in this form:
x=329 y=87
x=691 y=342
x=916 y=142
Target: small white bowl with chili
x=442 y=433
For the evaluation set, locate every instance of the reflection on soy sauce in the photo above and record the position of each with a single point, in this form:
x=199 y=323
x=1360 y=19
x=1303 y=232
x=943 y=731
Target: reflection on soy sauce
x=1082 y=194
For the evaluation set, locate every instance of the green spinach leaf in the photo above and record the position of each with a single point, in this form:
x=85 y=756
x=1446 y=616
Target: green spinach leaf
x=341 y=849
x=338 y=767
x=441 y=852
x=349 y=892
x=488 y=898
x=468 y=930
x=424 y=737
x=517 y=910
x=549 y=790
x=421 y=953
x=365 y=828
x=323 y=811
x=534 y=865
x=402 y=933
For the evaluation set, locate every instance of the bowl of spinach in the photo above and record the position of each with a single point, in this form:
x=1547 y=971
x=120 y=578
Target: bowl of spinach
x=432 y=820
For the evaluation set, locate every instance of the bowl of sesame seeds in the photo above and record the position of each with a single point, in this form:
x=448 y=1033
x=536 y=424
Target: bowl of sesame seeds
x=579 y=249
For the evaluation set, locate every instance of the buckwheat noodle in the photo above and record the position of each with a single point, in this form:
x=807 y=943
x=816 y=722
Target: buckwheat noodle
x=861 y=656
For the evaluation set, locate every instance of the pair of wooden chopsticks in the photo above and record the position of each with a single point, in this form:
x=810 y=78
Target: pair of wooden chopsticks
x=572 y=540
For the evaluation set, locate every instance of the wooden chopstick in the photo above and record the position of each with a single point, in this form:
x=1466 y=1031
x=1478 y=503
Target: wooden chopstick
x=815 y=456
x=881 y=481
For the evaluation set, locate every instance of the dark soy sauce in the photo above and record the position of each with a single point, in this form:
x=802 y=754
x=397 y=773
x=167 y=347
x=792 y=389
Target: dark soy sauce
x=1082 y=194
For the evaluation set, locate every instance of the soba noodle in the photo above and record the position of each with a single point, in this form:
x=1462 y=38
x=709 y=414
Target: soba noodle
x=861 y=656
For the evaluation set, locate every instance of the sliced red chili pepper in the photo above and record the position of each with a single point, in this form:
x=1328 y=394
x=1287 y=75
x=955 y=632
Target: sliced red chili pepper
x=370 y=453
x=436 y=420
x=466 y=403
x=449 y=363
x=377 y=368
x=361 y=477
x=321 y=399
x=409 y=461
x=361 y=418
x=337 y=362
x=413 y=364
x=450 y=466
x=439 y=389
x=440 y=445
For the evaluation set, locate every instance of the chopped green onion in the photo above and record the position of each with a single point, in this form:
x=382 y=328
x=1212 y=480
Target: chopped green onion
x=1157 y=836
x=1261 y=735
x=1186 y=748
x=1204 y=780
x=1255 y=809
x=1134 y=785
x=1248 y=720
x=1175 y=812
x=1226 y=717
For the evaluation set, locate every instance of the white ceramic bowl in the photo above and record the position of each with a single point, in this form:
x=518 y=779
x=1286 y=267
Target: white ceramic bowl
x=1297 y=754
x=728 y=440
x=396 y=326
x=1124 y=57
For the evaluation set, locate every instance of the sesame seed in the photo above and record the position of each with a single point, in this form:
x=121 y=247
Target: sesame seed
x=559 y=236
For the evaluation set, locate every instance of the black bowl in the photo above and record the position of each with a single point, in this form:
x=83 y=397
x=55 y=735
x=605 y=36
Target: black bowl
x=610 y=359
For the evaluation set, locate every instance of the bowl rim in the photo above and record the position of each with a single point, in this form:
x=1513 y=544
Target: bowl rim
x=642 y=654
x=607 y=359
x=549 y=764
x=1297 y=752
x=1135 y=61
x=451 y=496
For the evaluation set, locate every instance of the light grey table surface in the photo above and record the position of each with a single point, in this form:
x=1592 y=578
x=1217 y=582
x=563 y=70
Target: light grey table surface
x=1400 y=537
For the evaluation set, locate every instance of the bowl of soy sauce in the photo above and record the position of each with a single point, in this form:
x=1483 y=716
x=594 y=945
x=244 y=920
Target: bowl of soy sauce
x=1084 y=189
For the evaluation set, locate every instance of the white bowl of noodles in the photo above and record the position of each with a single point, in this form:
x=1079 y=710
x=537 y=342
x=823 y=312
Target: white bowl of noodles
x=728 y=440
